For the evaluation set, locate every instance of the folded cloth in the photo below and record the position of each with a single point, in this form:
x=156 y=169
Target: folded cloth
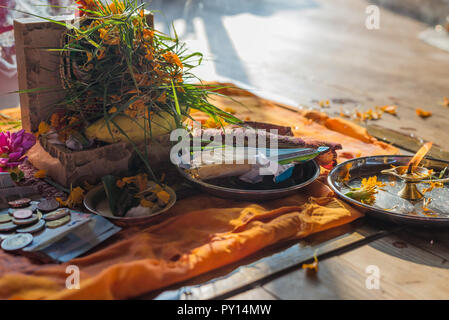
x=214 y=232
x=204 y=232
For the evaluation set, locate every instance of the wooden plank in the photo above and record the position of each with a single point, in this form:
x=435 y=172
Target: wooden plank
x=408 y=142
x=435 y=241
x=322 y=61
x=246 y=274
x=405 y=272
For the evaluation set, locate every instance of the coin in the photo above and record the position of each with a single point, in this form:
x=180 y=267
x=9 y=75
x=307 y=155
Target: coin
x=5 y=227
x=31 y=207
x=5 y=218
x=59 y=222
x=20 y=203
x=17 y=241
x=48 y=205
x=23 y=222
x=34 y=228
x=58 y=214
x=22 y=214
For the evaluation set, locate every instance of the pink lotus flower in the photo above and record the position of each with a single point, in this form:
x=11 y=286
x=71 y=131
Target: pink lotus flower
x=13 y=147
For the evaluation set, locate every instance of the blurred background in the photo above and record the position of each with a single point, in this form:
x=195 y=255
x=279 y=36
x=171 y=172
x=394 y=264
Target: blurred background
x=296 y=49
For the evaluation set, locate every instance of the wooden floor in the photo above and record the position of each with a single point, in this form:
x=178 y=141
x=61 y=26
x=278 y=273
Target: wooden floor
x=365 y=260
x=311 y=50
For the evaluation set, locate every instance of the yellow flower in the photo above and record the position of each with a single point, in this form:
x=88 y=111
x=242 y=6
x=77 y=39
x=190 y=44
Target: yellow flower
x=162 y=98
x=101 y=54
x=112 y=110
x=389 y=109
x=148 y=34
x=211 y=123
x=103 y=33
x=41 y=174
x=75 y=198
x=345 y=175
x=140 y=180
x=366 y=192
x=149 y=55
x=422 y=113
x=172 y=58
x=312 y=266
x=164 y=196
x=432 y=186
x=230 y=110
x=89 y=56
x=42 y=129
x=120 y=183
x=445 y=101
x=137 y=108
x=117 y=9
x=147 y=204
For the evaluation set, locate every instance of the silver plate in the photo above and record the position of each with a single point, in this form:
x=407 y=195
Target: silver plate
x=311 y=173
x=96 y=202
x=388 y=205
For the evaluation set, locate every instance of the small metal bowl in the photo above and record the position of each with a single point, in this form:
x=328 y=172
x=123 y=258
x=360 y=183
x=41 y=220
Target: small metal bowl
x=310 y=169
x=389 y=205
x=96 y=202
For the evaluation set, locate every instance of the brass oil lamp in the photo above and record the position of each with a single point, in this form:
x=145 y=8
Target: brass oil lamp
x=411 y=175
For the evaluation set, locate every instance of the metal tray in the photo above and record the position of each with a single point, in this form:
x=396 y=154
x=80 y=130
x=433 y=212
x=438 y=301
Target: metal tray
x=388 y=205
x=303 y=175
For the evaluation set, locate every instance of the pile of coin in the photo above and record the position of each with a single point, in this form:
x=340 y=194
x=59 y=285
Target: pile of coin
x=26 y=217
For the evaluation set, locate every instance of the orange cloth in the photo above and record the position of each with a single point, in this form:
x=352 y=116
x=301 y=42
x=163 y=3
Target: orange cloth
x=205 y=232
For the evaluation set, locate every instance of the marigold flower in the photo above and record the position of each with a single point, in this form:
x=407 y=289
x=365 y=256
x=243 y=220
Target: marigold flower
x=101 y=54
x=211 y=123
x=389 y=109
x=366 y=192
x=164 y=196
x=41 y=174
x=445 y=101
x=75 y=198
x=149 y=55
x=117 y=9
x=89 y=56
x=42 y=129
x=147 y=204
x=172 y=58
x=112 y=110
x=312 y=266
x=230 y=110
x=422 y=113
x=432 y=186
x=120 y=183
x=90 y=5
x=148 y=34
x=162 y=98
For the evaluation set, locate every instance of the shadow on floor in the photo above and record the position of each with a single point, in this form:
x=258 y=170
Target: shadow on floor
x=211 y=12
